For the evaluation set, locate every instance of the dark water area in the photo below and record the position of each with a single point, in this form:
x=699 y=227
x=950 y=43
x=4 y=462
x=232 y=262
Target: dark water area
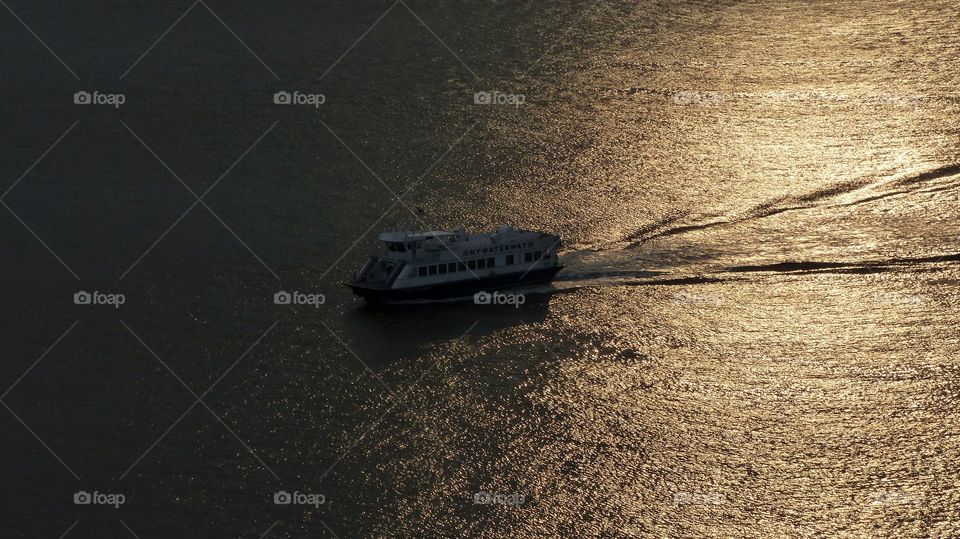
x=756 y=334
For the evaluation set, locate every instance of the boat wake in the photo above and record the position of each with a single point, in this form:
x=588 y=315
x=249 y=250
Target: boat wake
x=869 y=189
x=580 y=275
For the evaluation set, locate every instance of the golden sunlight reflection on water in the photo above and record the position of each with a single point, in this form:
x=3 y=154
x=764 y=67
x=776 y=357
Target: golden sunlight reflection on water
x=806 y=384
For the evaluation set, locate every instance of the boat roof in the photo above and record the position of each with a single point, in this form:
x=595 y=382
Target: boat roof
x=405 y=235
x=402 y=236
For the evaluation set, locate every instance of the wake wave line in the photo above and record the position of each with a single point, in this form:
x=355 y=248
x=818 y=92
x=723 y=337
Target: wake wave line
x=793 y=203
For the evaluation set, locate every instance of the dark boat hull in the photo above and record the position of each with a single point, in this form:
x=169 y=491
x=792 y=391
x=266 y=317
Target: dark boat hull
x=456 y=289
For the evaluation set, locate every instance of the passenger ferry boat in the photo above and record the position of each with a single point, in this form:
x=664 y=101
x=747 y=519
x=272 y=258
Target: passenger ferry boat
x=444 y=264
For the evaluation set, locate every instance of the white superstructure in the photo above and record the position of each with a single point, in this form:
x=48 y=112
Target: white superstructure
x=409 y=260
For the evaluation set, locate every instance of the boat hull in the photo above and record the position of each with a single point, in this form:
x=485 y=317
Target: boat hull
x=455 y=289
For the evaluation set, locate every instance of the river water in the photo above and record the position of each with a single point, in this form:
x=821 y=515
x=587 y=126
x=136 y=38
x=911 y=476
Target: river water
x=756 y=334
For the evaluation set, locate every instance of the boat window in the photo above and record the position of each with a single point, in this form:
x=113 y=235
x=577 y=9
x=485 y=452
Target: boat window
x=509 y=260
x=443 y=269
x=472 y=264
x=452 y=267
x=491 y=262
x=536 y=255
x=528 y=257
x=433 y=270
x=482 y=263
x=461 y=267
x=422 y=271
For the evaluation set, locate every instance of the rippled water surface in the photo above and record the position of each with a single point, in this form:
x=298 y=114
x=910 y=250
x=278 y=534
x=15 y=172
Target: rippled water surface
x=756 y=334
